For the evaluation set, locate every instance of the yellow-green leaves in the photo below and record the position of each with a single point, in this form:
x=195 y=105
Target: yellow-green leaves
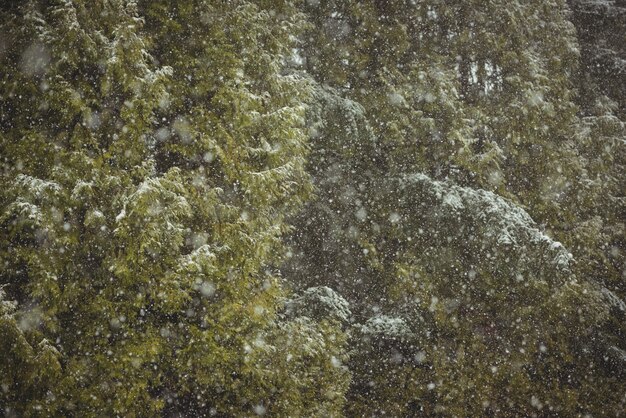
x=154 y=152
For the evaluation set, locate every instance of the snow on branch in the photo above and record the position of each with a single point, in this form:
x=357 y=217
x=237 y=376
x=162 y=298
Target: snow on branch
x=495 y=231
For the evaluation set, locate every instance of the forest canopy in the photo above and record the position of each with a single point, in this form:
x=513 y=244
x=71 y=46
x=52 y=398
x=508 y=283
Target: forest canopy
x=312 y=208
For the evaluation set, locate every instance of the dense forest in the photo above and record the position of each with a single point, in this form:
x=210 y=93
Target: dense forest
x=314 y=208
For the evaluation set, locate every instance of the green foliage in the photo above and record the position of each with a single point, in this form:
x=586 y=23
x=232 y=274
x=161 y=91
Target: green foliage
x=474 y=93
x=486 y=307
x=154 y=155
x=597 y=227
x=372 y=52
x=143 y=206
x=29 y=365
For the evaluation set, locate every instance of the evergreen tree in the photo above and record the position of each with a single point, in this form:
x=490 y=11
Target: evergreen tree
x=601 y=26
x=485 y=312
x=498 y=101
x=597 y=229
x=29 y=365
x=154 y=155
x=443 y=89
x=143 y=198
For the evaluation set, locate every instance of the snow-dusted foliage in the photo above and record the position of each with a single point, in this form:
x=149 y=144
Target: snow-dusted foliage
x=386 y=328
x=280 y=354
x=330 y=114
x=320 y=303
x=440 y=184
x=28 y=361
x=144 y=187
x=493 y=232
x=614 y=301
x=472 y=287
x=600 y=199
x=490 y=121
